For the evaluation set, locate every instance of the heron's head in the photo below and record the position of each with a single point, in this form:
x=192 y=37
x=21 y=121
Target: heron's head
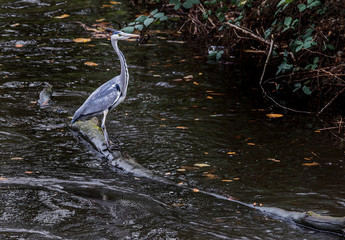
x=119 y=35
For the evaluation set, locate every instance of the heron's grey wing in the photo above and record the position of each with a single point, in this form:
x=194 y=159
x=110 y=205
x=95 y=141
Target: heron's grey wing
x=101 y=99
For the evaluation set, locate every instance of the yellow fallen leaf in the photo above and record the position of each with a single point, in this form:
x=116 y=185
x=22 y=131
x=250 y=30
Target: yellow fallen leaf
x=3 y=179
x=196 y=190
x=181 y=170
x=205 y=153
x=100 y=20
x=195 y=83
x=231 y=153
x=163 y=119
x=17 y=158
x=188 y=77
x=62 y=16
x=200 y=73
x=201 y=165
x=236 y=178
x=273 y=159
x=181 y=127
x=28 y=172
x=82 y=40
x=308 y=159
x=251 y=144
x=311 y=164
x=210 y=176
x=274 y=115
x=227 y=180
x=91 y=64
x=112 y=2
x=209 y=97
x=106 y=6
x=18 y=45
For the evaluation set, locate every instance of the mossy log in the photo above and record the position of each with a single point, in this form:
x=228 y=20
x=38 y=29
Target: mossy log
x=309 y=219
x=92 y=133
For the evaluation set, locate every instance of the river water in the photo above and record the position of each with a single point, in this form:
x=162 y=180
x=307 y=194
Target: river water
x=54 y=186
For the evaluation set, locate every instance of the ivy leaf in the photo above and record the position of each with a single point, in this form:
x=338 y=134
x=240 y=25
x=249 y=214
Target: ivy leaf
x=301 y=7
x=189 y=3
x=330 y=47
x=148 y=21
x=158 y=15
x=297 y=87
x=306 y=90
x=139 y=27
x=141 y=18
x=154 y=12
x=287 y=21
x=128 y=29
x=164 y=18
x=177 y=4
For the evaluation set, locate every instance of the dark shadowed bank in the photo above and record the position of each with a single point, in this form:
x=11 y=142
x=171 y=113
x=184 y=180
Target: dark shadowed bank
x=304 y=72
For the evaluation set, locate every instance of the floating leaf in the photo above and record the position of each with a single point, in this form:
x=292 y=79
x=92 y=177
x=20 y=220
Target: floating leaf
x=28 y=172
x=112 y=2
x=3 y=179
x=274 y=115
x=201 y=165
x=273 y=159
x=82 y=40
x=91 y=64
x=196 y=83
x=209 y=97
x=251 y=144
x=206 y=153
x=311 y=164
x=196 y=190
x=181 y=170
x=227 y=180
x=62 y=16
x=231 y=153
x=18 y=45
x=188 y=77
x=236 y=178
x=17 y=158
x=211 y=176
x=181 y=127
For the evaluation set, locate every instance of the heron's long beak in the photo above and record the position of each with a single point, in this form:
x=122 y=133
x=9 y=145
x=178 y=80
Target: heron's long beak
x=132 y=36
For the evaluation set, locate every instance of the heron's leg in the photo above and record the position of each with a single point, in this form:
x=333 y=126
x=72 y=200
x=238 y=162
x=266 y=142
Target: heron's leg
x=105 y=112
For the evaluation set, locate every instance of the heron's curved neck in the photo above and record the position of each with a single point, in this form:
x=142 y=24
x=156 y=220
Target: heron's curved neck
x=124 y=69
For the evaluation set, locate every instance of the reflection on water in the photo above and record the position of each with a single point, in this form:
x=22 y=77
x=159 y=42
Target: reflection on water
x=54 y=187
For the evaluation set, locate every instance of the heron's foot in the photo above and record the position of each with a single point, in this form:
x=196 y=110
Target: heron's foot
x=112 y=146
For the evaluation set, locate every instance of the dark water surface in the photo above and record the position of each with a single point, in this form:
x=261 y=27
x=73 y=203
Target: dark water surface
x=53 y=186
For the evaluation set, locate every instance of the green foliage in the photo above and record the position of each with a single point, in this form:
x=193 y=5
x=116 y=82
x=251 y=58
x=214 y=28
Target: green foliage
x=143 y=21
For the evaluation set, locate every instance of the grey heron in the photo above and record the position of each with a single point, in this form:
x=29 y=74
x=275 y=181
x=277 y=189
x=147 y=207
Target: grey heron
x=110 y=94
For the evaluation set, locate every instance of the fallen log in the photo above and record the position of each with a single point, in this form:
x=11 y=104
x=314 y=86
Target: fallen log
x=308 y=219
x=92 y=133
